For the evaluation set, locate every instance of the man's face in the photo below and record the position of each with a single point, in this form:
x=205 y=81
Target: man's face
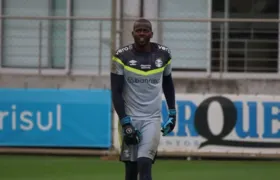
x=142 y=33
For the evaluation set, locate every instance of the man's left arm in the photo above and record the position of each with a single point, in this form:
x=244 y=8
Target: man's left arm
x=169 y=93
x=168 y=86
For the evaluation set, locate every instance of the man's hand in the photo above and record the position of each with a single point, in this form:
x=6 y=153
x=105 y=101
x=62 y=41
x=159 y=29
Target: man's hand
x=131 y=134
x=169 y=125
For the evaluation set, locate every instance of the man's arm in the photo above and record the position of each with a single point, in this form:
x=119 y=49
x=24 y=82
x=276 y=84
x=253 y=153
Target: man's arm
x=169 y=91
x=131 y=135
x=168 y=86
x=117 y=81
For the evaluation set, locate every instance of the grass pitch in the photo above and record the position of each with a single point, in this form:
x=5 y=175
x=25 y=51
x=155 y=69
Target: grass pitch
x=92 y=168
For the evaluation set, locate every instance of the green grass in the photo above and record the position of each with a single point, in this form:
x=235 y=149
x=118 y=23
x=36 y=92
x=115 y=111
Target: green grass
x=88 y=168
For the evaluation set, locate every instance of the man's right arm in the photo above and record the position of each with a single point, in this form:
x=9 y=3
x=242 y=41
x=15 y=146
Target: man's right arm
x=131 y=135
x=117 y=82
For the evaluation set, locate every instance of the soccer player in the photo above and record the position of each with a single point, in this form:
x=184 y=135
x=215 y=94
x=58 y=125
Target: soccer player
x=140 y=74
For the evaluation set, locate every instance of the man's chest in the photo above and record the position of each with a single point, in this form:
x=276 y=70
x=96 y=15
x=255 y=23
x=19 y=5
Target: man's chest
x=146 y=62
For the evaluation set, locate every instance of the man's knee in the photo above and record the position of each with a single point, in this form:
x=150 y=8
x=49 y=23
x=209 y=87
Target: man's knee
x=148 y=154
x=144 y=161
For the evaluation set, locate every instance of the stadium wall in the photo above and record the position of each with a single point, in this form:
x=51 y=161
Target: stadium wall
x=182 y=85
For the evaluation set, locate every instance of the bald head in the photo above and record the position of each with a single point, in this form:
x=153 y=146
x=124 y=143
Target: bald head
x=142 y=33
x=143 y=23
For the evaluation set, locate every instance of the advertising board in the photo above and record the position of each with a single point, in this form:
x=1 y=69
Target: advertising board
x=225 y=124
x=55 y=118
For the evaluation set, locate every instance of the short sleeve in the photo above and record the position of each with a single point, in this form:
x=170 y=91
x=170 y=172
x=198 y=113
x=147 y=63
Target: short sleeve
x=117 y=66
x=168 y=68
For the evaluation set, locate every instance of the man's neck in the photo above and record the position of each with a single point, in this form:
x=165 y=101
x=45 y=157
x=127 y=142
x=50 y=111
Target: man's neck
x=146 y=48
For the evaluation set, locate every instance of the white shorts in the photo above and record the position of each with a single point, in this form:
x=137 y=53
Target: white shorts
x=150 y=130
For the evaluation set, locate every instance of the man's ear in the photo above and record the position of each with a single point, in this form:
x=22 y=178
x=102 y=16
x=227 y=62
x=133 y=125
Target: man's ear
x=152 y=34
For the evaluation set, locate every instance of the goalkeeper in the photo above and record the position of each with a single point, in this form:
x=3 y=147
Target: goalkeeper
x=140 y=73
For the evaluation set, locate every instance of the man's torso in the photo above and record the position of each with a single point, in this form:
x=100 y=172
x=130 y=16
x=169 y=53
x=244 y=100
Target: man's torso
x=143 y=81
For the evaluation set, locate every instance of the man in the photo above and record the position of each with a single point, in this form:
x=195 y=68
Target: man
x=140 y=72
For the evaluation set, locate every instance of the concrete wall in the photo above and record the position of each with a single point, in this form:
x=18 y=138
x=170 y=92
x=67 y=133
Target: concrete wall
x=182 y=86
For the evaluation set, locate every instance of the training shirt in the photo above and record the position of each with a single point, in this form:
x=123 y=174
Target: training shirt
x=143 y=74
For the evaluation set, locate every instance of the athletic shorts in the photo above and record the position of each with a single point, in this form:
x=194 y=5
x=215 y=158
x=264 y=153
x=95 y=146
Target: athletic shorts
x=150 y=130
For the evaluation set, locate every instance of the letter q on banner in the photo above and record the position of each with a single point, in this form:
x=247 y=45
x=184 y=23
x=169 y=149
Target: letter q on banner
x=202 y=125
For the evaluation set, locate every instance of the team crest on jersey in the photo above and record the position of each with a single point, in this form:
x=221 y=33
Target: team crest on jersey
x=158 y=63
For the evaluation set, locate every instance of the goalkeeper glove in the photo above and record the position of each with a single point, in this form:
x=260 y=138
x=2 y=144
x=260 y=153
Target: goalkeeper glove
x=131 y=134
x=169 y=125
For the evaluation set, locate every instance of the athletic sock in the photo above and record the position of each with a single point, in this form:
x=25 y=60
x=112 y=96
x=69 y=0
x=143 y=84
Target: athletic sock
x=131 y=171
x=145 y=168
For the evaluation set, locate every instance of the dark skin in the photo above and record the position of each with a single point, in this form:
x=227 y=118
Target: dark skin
x=142 y=33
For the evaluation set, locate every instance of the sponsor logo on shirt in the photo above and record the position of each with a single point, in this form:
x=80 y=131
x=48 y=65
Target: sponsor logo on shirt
x=132 y=62
x=145 y=66
x=124 y=49
x=142 y=80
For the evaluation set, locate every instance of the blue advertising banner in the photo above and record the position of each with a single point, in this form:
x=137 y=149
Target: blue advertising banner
x=228 y=123
x=55 y=118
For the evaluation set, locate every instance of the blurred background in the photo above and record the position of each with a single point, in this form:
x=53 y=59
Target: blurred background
x=209 y=39
x=78 y=37
x=63 y=49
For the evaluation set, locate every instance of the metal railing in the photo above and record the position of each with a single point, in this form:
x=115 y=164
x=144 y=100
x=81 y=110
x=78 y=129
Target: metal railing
x=254 y=50
x=84 y=46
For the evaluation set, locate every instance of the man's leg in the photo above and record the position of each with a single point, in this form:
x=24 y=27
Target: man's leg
x=145 y=168
x=131 y=171
x=148 y=147
x=128 y=155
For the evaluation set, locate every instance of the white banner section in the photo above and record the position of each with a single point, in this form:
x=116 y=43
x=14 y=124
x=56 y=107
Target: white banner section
x=228 y=125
